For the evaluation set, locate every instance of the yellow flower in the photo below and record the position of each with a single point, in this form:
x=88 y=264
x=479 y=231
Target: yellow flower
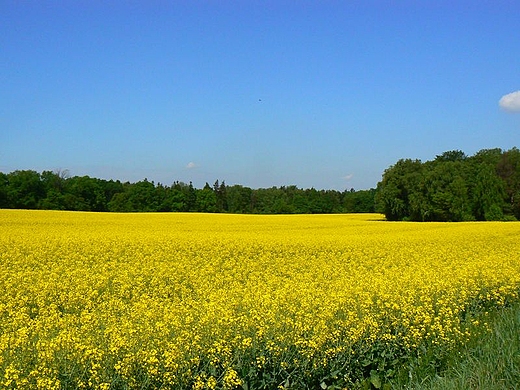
x=231 y=379
x=195 y=299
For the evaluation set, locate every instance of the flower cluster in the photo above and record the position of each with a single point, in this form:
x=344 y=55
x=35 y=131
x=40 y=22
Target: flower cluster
x=214 y=301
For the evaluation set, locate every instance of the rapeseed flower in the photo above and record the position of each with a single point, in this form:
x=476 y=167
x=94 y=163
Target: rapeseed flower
x=220 y=301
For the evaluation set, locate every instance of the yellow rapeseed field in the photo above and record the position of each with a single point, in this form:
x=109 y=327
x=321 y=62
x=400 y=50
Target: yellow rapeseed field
x=194 y=301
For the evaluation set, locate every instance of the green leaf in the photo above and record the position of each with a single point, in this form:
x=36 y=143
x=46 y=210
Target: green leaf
x=334 y=374
x=375 y=380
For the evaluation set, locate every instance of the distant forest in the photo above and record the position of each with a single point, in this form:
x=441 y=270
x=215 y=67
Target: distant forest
x=452 y=187
x=28 y=189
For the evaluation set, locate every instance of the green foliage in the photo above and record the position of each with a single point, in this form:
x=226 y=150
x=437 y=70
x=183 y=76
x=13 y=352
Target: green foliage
x=24 y=189
x=58 y=191
x=399 y=182
x=490 y=360
x=508 y=168
x=453 y=187
x=4 y=185
x=239 y=199
x=206 y=200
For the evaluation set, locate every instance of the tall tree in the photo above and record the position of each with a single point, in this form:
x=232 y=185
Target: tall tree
x=508 y=168
x=4 y=187
x=25 y=189
x=84 y=193
x=453 y=187
x=488 y=194
x=206 y=200
x=399 y=181
x=239 y=199
x=142 y=196
x=220 y=191
x=191 y=198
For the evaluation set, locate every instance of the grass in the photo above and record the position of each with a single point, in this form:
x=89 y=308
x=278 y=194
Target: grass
x=488 y=362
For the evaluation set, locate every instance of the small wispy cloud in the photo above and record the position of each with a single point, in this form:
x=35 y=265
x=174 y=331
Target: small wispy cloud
x=191 y=165
x=510 y=102
x=348 y=177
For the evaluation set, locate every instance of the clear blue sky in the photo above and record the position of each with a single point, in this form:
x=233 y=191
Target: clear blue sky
x=323 y=94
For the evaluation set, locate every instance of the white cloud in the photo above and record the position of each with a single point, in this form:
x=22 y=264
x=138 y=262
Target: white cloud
x=348 y=177
x=510 y=102
x=191 y=165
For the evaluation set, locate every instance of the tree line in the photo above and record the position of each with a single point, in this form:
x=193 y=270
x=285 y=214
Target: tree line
x=453 y=187
x=28 y=189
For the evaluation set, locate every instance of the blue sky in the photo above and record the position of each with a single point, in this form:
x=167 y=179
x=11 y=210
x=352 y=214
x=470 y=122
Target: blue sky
x=323 y=94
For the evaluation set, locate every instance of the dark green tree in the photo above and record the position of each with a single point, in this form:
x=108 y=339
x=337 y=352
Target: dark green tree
x=362 y=201
x=25 y=189
x=142 y=196
x=316 y=201
x=220 y=191
x=452 y=155
x=270 y=201
x=444 y=192
x=206 y=200
x=488 y=194
x=110 y=189
x=398 y=183
x=4 y=188
x=239 y=199
x=54 y=184
x=177 y=196
x=119 y=202
x=84 y=193
x=453 y=187
x=508 y=169
x=191 y=198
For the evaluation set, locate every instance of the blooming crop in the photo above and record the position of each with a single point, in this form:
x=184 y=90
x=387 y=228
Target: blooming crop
x=214 y=301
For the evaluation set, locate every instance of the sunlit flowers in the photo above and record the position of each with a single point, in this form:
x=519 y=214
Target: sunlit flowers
x=225 y=301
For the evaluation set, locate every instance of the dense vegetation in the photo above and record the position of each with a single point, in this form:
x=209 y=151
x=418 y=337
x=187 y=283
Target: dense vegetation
x=122 y=301
x=488 y=361
x=453 y=187
x=27 y=189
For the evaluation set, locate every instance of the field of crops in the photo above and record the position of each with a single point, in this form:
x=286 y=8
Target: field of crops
x=195 y=301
